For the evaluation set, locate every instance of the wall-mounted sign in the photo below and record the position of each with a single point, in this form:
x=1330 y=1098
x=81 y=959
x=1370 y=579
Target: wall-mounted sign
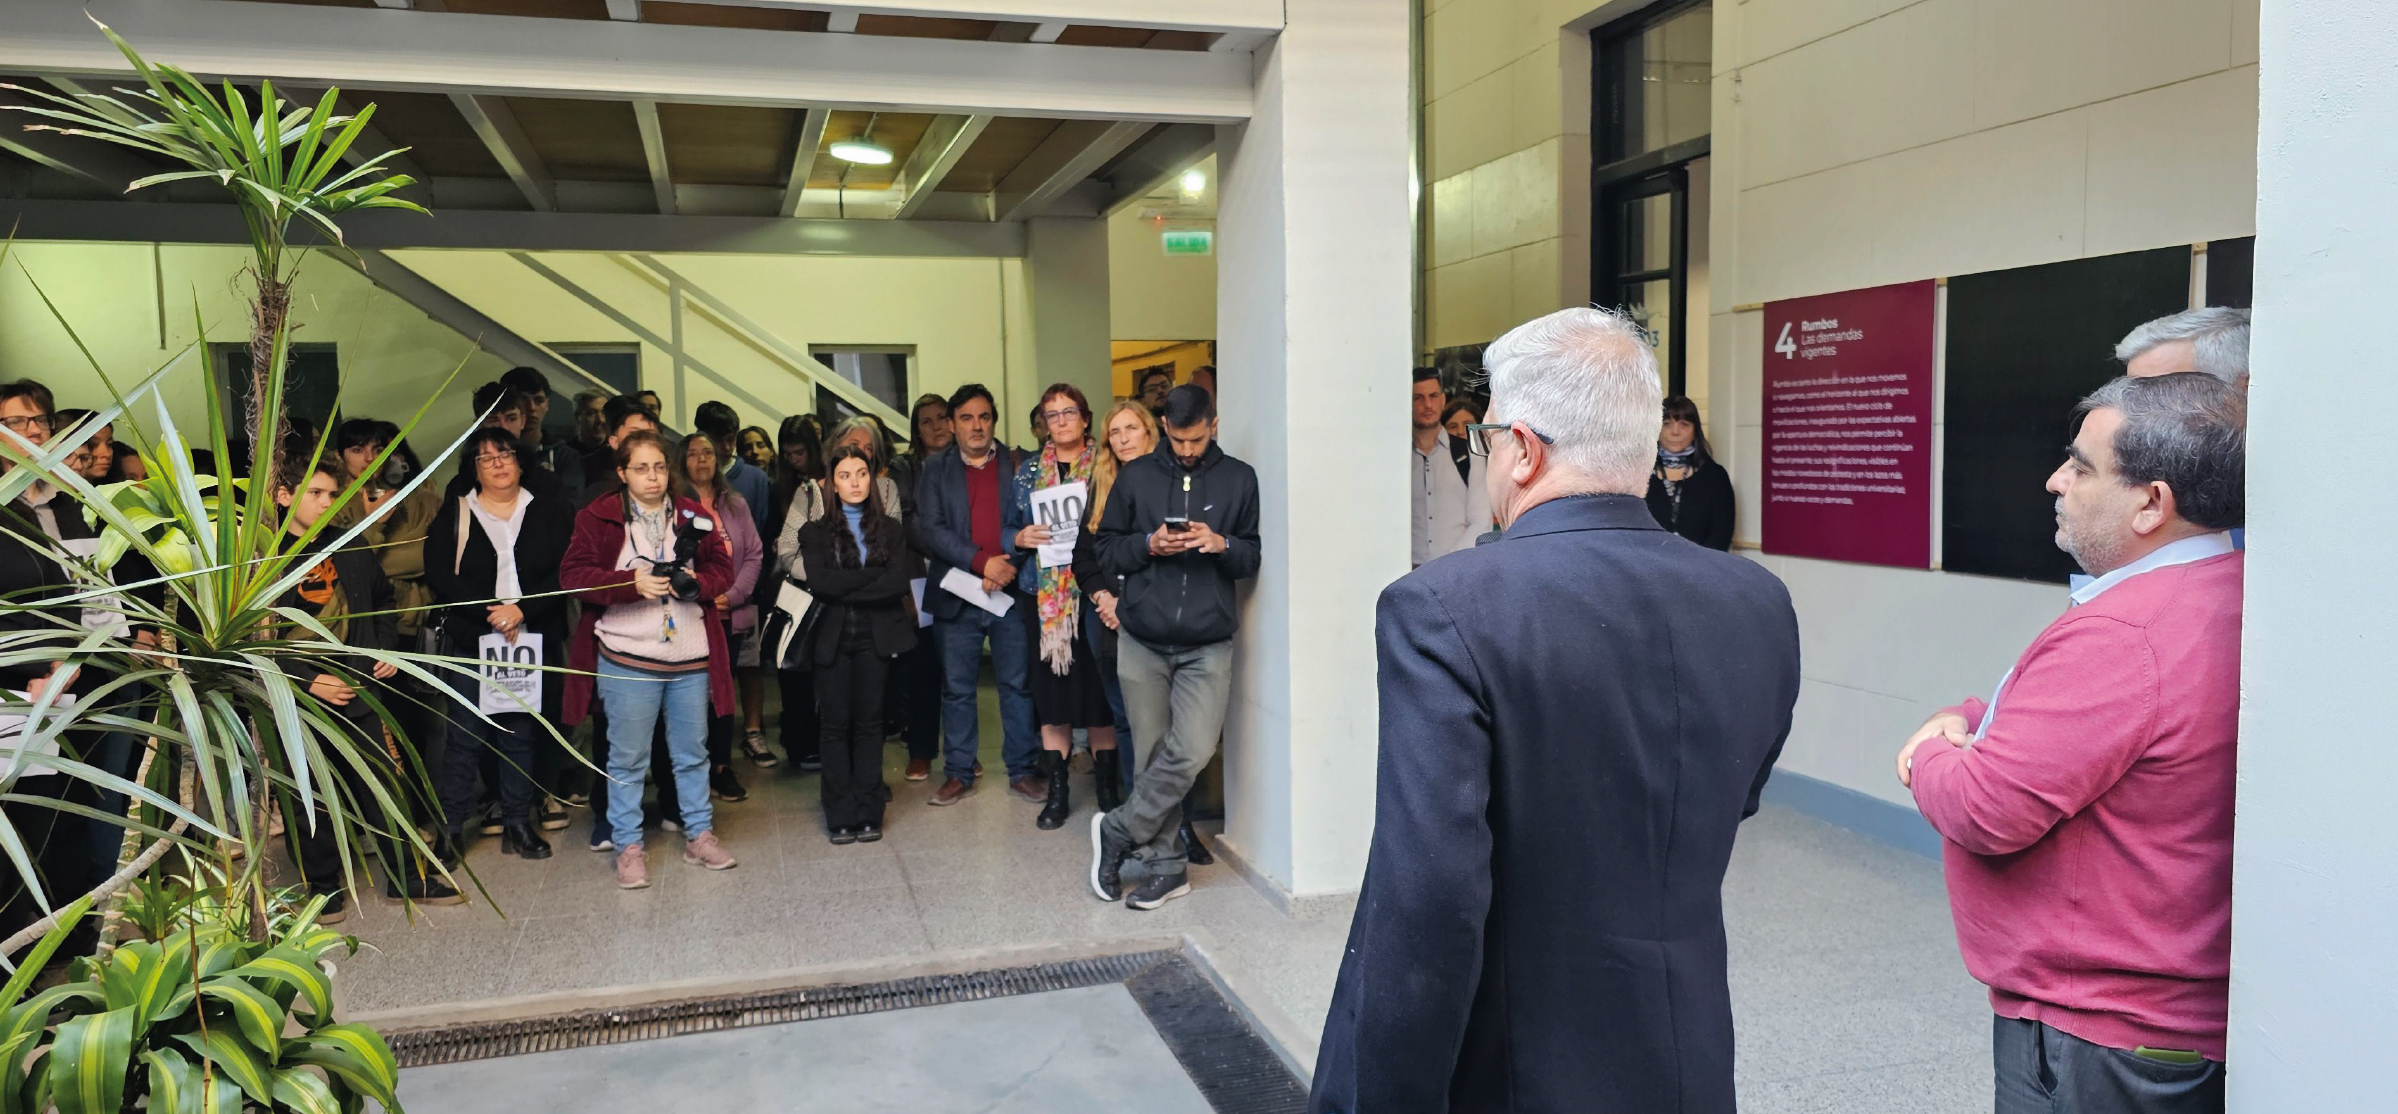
x=1848 y=426
x=1190 y=241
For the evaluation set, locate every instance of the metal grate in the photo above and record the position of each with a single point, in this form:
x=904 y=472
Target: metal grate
x=1226 y=1059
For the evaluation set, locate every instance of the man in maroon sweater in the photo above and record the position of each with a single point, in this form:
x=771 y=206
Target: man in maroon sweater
x=2087 y=806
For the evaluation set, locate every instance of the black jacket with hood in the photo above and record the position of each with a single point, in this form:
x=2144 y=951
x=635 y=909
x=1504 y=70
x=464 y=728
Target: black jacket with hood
x=1186 y=600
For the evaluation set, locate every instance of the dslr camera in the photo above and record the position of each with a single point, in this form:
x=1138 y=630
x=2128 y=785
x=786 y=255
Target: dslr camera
x=678 y=573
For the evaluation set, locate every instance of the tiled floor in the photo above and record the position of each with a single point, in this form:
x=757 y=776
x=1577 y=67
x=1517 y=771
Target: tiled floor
x=1846 y=985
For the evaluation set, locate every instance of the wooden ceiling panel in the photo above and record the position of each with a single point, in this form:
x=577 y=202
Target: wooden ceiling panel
x=328 y=3
x=1001 y=148
x=918 y=27
x=728 y=146
x=583 y=141
x=546 y=9
x=720 y=15
x=899 y=131
x=1136 y=37
x=428 y=125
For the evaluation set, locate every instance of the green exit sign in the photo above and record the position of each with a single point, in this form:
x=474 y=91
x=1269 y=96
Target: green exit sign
x=1190 y=241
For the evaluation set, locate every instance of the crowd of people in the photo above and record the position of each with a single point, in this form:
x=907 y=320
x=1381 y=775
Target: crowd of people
x=676 y=579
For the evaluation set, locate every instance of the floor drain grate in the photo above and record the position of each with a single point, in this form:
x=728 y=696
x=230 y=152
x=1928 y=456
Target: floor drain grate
x=1227 y=1060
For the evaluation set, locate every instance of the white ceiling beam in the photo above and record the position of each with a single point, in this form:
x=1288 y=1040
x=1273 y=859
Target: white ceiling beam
x=606 y=60
x=1048 y=32
x=803 y=157
x=1071 y=153
x=496 y=126
x=653 y=148
x=944 y=143
x=1229 y=41
x=842 y=21
x=97 y=161
x=1251 y=16
x=626 y=10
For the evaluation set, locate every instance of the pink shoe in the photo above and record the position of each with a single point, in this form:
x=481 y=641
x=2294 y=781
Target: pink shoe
x=704 y=850
x=632 y=868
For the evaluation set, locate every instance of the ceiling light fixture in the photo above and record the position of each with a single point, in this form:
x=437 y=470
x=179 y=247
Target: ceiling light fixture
x=864 y=151
x=1194 y=181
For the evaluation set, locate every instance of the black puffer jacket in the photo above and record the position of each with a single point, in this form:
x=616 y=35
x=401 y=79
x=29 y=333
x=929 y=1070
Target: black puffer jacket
x=1186 y=600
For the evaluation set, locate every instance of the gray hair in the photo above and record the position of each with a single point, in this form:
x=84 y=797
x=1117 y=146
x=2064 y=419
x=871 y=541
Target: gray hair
x=2189 y=431
x=2218 y=337
x=1587 y=379
x=854 y=423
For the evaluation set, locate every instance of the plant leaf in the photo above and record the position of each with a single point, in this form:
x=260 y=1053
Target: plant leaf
x=357 y=1055
x=237 y=1059
x=260 y=1017
x=88 y=1059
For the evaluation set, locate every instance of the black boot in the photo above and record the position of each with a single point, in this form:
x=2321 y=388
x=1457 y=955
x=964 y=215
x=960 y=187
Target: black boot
x=1193 y=851
x=522 y=839
x=450 y=847
x=1060 y=805
x=1107 y=772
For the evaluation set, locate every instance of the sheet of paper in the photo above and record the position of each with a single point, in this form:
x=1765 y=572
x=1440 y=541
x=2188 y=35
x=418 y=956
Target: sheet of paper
x=924 y=618
x=969 y=587
x=506 y=676
x=794 y=601
x=1060 y=508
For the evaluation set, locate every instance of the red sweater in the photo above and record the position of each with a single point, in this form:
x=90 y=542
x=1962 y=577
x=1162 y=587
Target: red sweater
x=590 y=572
x=2089 y=832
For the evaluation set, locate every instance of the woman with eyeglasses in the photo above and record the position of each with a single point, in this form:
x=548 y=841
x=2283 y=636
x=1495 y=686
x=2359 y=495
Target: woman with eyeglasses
x=493 y=558
x=644 y=569
x=1066 y=691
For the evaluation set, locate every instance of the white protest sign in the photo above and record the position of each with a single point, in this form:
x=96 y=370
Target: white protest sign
x=1061 y=509
x=509 y=673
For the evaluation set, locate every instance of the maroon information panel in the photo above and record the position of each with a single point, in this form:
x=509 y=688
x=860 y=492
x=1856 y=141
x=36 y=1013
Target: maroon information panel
x=1848 y=426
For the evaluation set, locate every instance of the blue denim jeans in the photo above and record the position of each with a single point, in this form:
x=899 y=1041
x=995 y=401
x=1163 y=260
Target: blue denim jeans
x=961 y=642
x=635 y=698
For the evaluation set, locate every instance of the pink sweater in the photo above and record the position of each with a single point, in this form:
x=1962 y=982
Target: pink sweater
x=2089 y=833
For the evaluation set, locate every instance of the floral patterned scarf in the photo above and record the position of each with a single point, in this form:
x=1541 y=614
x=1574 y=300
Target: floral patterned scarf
x=1060 y=598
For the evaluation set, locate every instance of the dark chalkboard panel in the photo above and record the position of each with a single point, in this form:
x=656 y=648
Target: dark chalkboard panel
x=2023 y=347
x=2231 y=272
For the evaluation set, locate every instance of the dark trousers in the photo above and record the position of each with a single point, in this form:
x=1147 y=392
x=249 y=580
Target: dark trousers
x=798 y=727
x=37 y=828
x=313 y=844
x=916 y=684
x=2042 y=1070
x=849 y=702
x=961 y=641
x=509 y=741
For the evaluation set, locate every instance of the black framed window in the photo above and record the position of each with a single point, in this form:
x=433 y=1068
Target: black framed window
x=311 y=383
x=1651 y=75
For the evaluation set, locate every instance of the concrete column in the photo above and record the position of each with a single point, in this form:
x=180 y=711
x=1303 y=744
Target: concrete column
x=1066 y=268
x=2315 y=878
x=1313 y=312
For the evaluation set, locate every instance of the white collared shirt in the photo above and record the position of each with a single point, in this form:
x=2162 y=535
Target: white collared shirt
x=1449 y=511
x=2164 y=556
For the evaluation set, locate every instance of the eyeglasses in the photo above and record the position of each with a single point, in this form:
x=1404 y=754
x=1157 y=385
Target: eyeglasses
x=29 y=423
x=1478 y=435
x=645 y=470
x=494 y=460
x=1054 y=415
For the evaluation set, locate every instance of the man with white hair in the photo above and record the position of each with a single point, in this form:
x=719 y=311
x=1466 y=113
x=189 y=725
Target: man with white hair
x=2213 y=340
x=1574 y=721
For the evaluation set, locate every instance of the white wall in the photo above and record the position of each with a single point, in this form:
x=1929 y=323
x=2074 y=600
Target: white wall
x=1152 y=295
x=2314 y=873
x=1872 y=142
x=133 y=306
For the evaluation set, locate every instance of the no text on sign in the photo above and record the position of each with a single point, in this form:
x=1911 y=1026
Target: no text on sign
x=1848 y=426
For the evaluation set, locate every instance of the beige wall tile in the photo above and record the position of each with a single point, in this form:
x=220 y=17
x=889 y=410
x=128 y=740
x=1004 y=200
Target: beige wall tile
x=1804 y=236
x=1763 y=28
x=2174 y=165
x=1471 y=301
x=1536 y=86
x=1470 y=39
x=1445 y=50
x=1534 y=281
x=2007 y=197
x=1900 y=81
x=1534 y=179
x=2037 y=56
x=1472 y=126
x=1452 y=219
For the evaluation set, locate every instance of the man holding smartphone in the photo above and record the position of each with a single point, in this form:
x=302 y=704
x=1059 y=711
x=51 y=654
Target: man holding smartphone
x=1181 y=528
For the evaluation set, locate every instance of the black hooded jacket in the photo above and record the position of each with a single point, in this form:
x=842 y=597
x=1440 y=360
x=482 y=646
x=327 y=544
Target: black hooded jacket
x=1186 y=600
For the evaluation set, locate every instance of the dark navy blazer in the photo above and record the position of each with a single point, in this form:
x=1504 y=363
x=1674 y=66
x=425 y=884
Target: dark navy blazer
x=1574 y=721
x=942 y=528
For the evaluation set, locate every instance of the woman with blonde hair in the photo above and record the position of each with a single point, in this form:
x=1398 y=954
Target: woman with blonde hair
x=1130 y=432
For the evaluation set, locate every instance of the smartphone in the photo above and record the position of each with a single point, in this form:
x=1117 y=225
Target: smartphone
x=1177 y=524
